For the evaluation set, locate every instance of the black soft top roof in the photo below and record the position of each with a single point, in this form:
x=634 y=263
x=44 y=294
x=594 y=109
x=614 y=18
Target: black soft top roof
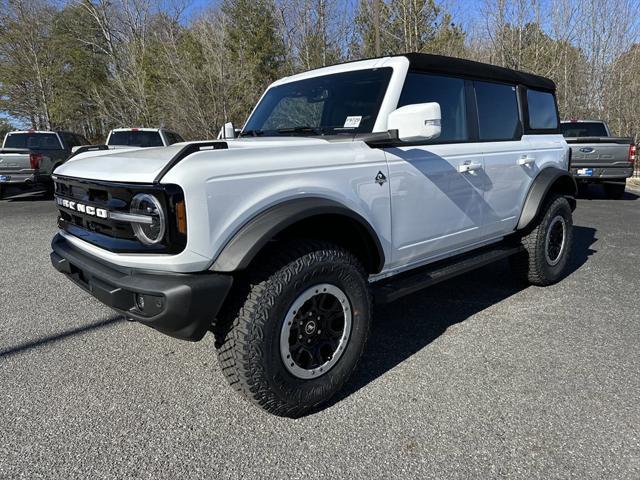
x=457 y=66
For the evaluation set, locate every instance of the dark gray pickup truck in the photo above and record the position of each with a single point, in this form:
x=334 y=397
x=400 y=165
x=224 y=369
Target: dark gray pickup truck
x=28 y=158
x=598 y=157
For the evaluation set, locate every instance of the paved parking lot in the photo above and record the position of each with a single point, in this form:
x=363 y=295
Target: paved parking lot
x=475 y=378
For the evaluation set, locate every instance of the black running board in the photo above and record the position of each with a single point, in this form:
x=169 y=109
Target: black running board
x=390 y=289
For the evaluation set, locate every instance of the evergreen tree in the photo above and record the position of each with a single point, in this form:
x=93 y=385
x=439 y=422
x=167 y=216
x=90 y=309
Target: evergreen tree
x=405 y=26
x=81 y=69
x=254 y=49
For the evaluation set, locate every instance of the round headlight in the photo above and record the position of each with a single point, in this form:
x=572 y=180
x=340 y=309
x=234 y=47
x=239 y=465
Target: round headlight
x=148 y=205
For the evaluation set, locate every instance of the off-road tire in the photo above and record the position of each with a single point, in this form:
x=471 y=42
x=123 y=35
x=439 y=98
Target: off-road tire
x=615 y=191
x=249 y=327
x=531 y=265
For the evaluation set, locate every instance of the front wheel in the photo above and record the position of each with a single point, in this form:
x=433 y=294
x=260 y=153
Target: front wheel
x=547 y=244
x=294 y=335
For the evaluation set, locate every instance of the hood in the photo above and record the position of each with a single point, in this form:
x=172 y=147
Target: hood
x=143 y=165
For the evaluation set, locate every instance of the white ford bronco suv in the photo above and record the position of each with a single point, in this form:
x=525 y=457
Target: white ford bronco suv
x=349 y=184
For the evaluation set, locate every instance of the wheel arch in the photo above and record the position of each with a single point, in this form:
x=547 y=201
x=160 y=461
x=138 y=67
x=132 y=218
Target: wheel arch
x=315 y=218
x=549 y=180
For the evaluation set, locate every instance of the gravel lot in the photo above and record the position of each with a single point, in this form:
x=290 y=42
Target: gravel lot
x=475 y=378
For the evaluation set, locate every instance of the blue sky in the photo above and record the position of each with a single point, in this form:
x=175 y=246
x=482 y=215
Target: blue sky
x=465 y=11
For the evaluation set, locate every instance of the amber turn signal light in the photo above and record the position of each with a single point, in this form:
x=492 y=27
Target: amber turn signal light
x=181 y=217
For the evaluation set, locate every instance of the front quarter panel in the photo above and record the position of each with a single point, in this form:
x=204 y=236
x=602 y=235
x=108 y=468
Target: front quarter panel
x=219 y=202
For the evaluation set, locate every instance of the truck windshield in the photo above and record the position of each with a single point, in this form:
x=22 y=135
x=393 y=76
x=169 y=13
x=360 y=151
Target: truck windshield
x=135 y=138
x=583 y=129
x=331 y=104
x=33 y=141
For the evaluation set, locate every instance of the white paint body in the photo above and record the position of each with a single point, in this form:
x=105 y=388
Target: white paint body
x=439 y=200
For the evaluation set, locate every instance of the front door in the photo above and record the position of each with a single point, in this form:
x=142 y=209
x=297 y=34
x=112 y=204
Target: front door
x=437 y=200
x=437 y=189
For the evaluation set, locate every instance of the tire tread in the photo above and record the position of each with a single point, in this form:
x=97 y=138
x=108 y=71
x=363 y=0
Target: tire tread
x=242 y=322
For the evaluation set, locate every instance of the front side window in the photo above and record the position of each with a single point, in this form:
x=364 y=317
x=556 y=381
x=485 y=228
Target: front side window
x=33 y=141
x=331 y=104
x=136 y=138
x=449 y=93
x=542 y=110
x=498 y=117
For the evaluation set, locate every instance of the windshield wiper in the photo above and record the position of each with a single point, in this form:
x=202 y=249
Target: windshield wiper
x=251 y=133
x=301 y=129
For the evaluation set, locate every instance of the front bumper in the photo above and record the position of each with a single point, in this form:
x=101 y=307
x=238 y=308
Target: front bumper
x=179 y=305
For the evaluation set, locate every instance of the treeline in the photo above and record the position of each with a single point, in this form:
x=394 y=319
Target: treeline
x=91 y=65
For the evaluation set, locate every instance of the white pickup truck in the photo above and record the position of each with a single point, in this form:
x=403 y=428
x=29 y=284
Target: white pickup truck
x=354 y=183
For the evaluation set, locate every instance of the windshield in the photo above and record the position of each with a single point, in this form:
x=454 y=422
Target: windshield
x=34 y=141
x=583 y=129
x=136 y=138
x=328 y=105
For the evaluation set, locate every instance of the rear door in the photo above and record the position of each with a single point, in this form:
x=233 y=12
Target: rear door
x=436 y=208
x=510 y=162
x=502 y=145
x=531 y=117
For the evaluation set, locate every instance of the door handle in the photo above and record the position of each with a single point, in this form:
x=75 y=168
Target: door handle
x=469 y=167
x=526 y=160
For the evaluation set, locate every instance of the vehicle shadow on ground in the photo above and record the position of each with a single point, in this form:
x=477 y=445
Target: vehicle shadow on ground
x=35 y=197
x=407 y=326
x=596 y=192
x=51 y=339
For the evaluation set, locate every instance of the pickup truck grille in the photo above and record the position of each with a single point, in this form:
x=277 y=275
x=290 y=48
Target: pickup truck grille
x=85 y=208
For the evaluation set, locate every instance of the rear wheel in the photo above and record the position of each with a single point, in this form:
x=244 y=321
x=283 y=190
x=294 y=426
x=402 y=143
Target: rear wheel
x=614 y=190
x=547 y=244
x=295 y=332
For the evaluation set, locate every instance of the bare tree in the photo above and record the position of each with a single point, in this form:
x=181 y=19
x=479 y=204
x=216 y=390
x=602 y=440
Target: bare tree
x=27 y=64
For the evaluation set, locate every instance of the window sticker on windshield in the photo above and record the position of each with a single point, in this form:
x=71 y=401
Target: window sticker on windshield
x=353 y=122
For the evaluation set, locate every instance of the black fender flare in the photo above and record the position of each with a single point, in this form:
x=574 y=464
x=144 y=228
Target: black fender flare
x=549 y=178
x=257 y=232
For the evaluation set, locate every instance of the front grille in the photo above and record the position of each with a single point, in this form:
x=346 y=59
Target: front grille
x=107 y=233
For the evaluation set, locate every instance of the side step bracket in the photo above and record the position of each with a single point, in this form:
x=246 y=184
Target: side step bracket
x=390 y=289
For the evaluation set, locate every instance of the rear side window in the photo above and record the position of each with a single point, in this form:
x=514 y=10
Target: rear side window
x=498 y=117
x=136 y=138
x=449 y=93
x=34 y=141
x=583 y=129
x=542 y=110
